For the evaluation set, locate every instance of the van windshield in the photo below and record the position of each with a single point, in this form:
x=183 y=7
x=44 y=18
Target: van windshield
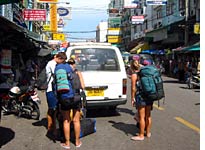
x=95 y=59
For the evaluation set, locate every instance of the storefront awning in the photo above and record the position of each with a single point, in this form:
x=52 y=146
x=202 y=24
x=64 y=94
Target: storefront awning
x=195 y=47
x=140 y=47
x=192 y=48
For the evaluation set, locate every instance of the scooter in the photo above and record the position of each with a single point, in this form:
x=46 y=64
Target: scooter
x=22 y=101
x=193 y=81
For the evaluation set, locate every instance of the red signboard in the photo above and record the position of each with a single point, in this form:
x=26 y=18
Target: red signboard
x=34 y=14
x=137 y=19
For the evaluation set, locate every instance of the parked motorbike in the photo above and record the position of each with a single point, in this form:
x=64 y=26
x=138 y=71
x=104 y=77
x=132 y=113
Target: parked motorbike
x=193 y=81
x=22 y=101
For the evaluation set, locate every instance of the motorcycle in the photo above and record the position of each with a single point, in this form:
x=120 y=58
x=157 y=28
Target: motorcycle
x=22 y=101
x=193 y=81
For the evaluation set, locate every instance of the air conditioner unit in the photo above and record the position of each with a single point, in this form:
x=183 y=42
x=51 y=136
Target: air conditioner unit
x=159 y=24
x=136 y=35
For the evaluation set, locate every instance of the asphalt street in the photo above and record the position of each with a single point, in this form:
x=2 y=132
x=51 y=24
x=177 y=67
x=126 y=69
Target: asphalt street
x=175 y=125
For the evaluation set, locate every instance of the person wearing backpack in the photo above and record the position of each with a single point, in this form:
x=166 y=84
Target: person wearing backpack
x=143 y=107
x=50 y=95
x=65 y=93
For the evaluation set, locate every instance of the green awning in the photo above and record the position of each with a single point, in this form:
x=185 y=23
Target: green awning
x=195 y=47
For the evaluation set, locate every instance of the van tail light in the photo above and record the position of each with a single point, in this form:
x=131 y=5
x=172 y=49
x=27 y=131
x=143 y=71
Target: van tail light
x=124 y=86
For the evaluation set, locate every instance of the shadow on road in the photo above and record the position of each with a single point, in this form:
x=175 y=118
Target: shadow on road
x=170 y=81
x=126 y=128
x=6 y=135
x=42 y=122
x=125 y=110
x=96 y=113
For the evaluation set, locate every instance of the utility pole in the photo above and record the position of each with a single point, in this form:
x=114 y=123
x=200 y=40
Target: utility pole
x=186 y=35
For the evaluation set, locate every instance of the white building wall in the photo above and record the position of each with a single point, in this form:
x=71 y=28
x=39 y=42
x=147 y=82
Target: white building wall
x=102 y=31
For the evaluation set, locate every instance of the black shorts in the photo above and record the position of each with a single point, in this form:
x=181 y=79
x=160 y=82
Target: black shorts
x=70 y=103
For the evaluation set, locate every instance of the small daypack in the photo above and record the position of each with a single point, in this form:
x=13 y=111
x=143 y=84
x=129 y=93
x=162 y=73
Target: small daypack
x=151 y=83
x=62 y=79
x=42 y=83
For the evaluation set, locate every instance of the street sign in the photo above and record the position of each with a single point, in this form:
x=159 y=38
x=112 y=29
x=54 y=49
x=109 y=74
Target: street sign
x=46 y=27
x=59 y=36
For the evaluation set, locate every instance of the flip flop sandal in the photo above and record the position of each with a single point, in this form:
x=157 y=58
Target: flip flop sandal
x=78 y=146
x=137 y=138
x=65 y=146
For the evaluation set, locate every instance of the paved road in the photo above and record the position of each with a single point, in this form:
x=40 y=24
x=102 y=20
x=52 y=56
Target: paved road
x=175 y=126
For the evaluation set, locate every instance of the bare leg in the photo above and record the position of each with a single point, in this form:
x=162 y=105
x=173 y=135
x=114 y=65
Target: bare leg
x=66 y=126
x=76 y=122
x=51 y=118
x=148 y=120
x=141 y=113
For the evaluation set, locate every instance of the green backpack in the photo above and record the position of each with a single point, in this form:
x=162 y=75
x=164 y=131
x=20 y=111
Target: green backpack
x=151 y=83
x=62 y=81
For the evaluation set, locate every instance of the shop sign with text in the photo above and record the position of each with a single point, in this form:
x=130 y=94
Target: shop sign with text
x=34 y=14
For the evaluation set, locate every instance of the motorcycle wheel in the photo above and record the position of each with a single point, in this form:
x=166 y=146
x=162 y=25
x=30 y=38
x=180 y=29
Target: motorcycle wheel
x=35 y=112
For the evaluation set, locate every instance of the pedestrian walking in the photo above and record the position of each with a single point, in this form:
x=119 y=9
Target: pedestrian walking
x=143 y=107
x=50 y=94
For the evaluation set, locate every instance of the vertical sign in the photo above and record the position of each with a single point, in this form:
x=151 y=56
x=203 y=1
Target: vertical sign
x=53 y=17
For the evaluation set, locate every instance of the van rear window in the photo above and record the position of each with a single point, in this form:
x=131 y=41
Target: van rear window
x=96 y=59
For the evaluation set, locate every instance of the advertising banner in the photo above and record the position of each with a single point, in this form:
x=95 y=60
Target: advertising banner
x=6 y=61
x=47 y=1
x=130 y=3
x=34 y=14
x=47 y=27
x=53 y=17
x=59 y=36
x=64 y=12
x=114 y=39
x=156 y=2
x=113 y=31
x=137 y=19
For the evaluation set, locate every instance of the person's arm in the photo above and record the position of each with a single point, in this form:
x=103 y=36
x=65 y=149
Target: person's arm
x=81 y=80
x=133 y=87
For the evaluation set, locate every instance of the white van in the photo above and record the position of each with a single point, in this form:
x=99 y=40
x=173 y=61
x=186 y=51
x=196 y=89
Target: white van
x=103 y=71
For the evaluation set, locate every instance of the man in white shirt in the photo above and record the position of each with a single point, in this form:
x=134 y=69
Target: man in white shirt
x=50 y=95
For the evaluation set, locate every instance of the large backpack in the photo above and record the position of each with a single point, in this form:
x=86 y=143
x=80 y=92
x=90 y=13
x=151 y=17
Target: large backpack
x=151 y=83
x=62 y=79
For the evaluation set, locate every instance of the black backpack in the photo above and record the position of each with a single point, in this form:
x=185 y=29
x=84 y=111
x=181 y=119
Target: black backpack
x=41 y=82
x=151 y=83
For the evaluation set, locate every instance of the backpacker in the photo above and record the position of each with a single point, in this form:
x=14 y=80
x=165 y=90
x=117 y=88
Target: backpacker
x=151 y=83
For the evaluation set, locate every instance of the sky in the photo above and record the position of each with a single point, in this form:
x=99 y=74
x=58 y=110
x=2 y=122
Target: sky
x=86 y=15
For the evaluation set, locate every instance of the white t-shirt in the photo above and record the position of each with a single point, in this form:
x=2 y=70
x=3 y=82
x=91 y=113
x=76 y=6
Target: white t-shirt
x=50 y=67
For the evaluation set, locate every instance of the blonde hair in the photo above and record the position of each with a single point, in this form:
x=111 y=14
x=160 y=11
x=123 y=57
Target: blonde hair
x=135 y=65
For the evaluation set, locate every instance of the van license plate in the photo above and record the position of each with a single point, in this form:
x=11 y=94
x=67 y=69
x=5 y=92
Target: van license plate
x=95 y=92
